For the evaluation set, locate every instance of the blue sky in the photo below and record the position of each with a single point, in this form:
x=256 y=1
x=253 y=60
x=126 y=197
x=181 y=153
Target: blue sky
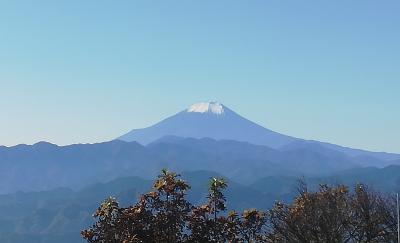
x=89 y=71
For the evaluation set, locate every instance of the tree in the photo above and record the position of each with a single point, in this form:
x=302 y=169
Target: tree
x=169 y=207
x=252 y=227
x=205 y=223
x=106 y=228
x=159 y=216
x=321 y=216
x=372 y=216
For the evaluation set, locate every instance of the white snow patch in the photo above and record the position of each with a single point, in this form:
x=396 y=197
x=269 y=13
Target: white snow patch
x=203 y=107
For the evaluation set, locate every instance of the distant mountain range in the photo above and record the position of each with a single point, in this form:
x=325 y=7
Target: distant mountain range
x=44 y=166
x=206 y=136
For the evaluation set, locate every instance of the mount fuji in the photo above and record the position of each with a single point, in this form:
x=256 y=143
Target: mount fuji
x=209 y=120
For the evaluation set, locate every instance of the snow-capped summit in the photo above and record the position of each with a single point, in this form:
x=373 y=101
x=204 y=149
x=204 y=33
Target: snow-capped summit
x=209 y=120
x=207 y=107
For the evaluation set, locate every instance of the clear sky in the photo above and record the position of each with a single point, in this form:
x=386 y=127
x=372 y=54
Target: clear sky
x=88 y=71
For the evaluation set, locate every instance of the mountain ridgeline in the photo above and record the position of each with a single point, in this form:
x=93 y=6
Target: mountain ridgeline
x=45 y=166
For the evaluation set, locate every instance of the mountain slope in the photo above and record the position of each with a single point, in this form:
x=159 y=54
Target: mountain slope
x=368 y=158
x=244 y=161
x=44 y=166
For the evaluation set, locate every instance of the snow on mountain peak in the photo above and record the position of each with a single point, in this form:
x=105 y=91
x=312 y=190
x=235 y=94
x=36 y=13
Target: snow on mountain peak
x=204 y=107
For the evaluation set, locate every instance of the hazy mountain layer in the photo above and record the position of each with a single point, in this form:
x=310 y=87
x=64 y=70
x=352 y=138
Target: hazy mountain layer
x=45 y=166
